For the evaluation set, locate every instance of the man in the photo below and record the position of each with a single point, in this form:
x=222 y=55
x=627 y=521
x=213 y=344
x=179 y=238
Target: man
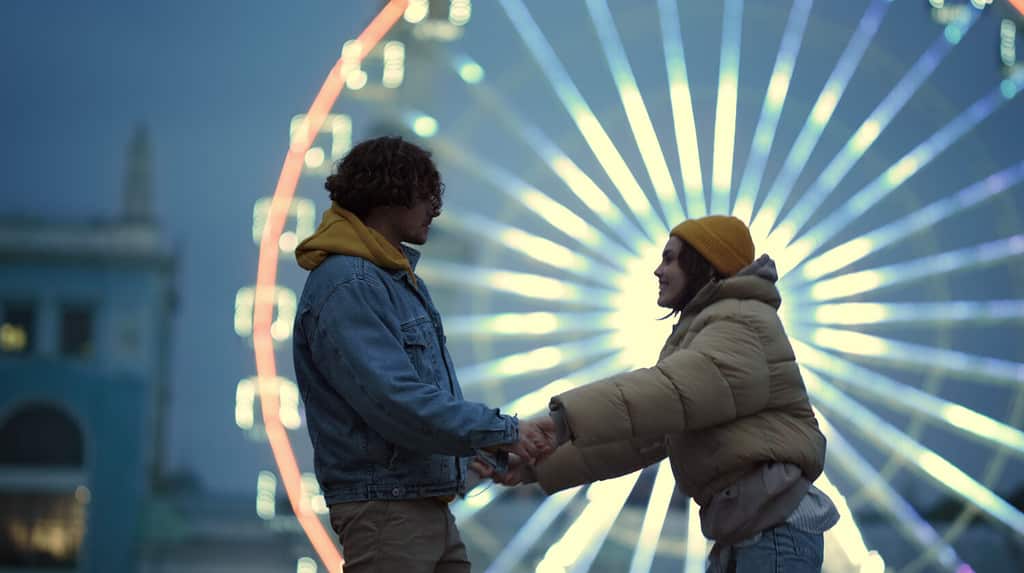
x=391 y=433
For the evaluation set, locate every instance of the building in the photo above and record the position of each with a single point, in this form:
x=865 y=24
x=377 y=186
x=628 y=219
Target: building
x=85 y=325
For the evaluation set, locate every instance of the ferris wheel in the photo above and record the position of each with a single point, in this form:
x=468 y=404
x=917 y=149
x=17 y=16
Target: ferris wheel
x=585 y=131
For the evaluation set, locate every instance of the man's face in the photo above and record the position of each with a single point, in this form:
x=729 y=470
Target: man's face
x=412 y=224
x=671 y=278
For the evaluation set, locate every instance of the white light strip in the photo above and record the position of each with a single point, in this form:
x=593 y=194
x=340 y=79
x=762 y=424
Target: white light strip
x=511 y=557
x=654 y=519
x=590 y=127
x=682 y=109
x=725 y=108
x=924 y=461
x=636 y=111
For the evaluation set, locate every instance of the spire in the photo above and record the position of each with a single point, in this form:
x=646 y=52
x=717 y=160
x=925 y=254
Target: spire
x=138 y=184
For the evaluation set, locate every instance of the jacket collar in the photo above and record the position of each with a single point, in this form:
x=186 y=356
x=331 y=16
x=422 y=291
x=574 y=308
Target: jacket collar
x=413 y=256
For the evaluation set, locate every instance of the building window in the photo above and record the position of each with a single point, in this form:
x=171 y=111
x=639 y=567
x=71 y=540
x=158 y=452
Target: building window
x=76 y=333
x=42 y=529
x=43 y=494
x=17 y=328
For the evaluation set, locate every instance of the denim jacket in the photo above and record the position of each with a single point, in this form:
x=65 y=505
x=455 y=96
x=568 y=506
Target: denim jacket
x=384 y=408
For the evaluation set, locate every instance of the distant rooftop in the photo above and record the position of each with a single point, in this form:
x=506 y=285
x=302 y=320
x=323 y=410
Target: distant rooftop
x=36 y=239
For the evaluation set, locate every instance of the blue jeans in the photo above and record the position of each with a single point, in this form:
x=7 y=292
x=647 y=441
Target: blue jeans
x=781 y=549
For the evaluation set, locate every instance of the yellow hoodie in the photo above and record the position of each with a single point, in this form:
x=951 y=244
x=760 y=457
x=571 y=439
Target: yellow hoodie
x=341 y=232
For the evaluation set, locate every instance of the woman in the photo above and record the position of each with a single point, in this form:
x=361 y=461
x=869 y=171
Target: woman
x=725 y=403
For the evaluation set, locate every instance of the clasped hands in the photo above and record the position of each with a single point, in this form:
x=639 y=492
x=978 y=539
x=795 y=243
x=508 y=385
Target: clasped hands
x=537 y=440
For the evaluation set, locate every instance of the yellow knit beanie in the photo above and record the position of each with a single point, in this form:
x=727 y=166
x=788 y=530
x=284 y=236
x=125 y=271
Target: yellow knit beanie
x=723 y=240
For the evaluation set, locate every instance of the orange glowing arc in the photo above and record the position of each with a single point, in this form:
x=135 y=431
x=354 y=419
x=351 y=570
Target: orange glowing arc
x=1019 y=5
x=266 y=278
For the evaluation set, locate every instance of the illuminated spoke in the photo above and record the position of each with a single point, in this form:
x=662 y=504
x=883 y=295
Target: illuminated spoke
x=541 y=359
x=654 y=519
x=771 y=110
x=528 y=324
x=923 y=218
x=530 y=404
x=524 y=285
x=885 y=499
x=866 y=135
x=969 y=366
x=636 y=111
x=565 y=168
x=857 y=313
x=590 y=127
x=942 y=263
x=695 y=560
x=526 y=406
x=536 y=402
x=532 y=246
x=908 y=399
x=682 y=108
x=921 y=459
x=819 y=117
x=576 y=549
x=529 y=534
x=899 y=172
x=725 y=108
x=476 y=499
x=554 y=213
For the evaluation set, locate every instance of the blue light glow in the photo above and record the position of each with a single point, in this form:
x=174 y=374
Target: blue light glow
x=771 y=109
x=725 y=109
x=682 y=109
x=588 y=124
x=865 y=136
x=636 y=111
x=922 y=218
x=923 y=460
x=891 y=179
x=820 y=115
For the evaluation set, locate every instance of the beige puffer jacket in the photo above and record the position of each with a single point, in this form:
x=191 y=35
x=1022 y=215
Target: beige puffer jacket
x=725 y=396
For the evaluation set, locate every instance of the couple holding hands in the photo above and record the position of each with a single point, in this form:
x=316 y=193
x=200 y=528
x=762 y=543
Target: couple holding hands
x=393 y=438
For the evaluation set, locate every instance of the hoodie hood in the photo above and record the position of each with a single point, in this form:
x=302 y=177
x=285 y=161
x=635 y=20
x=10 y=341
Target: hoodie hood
x=763 y=267
x=755 y=281
x=341 y=232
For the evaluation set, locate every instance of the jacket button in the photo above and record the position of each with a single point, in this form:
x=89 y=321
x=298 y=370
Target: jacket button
x=396 y=492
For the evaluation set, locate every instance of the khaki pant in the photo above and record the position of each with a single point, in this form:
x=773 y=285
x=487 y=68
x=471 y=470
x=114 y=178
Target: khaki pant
x=414 y=536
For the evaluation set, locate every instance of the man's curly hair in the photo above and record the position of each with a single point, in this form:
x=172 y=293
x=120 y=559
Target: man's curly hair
x=385 y=171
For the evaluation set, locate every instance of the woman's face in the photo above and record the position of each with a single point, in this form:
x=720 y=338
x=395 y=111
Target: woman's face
x=671 y=279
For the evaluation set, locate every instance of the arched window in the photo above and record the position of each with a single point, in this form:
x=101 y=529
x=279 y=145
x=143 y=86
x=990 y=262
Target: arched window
x=40 y=435
x=43 y=492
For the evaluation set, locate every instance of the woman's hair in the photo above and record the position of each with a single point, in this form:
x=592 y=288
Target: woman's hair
x=383 y=172
x=698 y=272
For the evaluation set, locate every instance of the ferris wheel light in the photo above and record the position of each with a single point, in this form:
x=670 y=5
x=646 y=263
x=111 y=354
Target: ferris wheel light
x=460 y=11
x=356 y=80
x=423 y=125
x=416 y=11
x=305 y=565
x=471 y=72
x=266 y=495
x=314 y=157
x=589 y=257
x=1009 y=88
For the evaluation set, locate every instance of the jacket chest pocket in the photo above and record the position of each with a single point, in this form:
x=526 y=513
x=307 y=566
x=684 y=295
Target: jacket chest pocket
x=422 y=350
